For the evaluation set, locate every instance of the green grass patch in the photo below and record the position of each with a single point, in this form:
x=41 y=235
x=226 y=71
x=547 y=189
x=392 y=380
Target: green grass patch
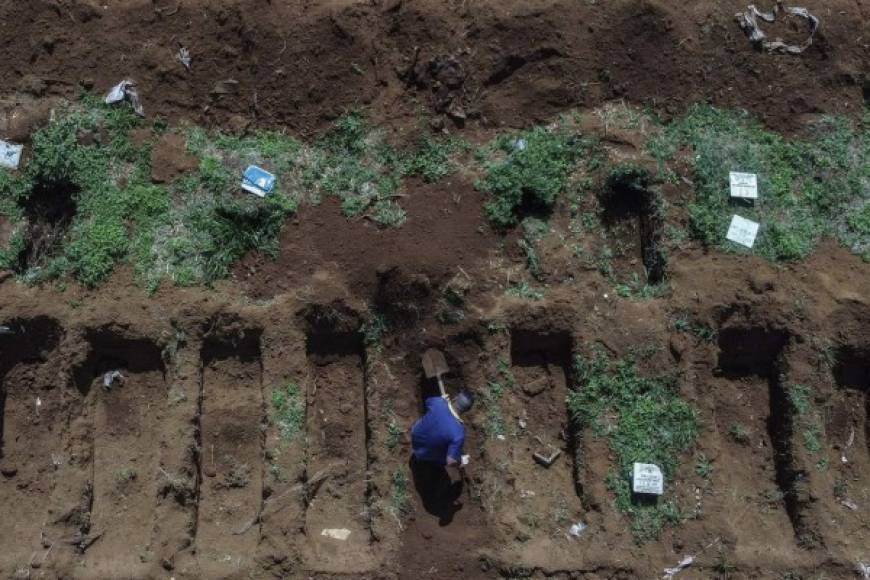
x=106 y=180
x=808 y=188
x=644 y=420
x=194 y=230
x=528 y=170
x=288 y=410
x=400 y=503
x=495 y=424
x=807 y=417
x=525 y=291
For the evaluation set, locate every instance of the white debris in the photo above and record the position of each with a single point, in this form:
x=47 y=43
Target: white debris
x=863 y=568
x=183 y=56
x=500 y=437
x=126 y=91
x=748 y=21
x=341 y=534
x=6 y=330
x=10 y=154
x=110 y=377
x=744 y=185
x=648 y=478
x=465 y=460
x=742 y=231
x=526 y=493
x=576 y=530
x=684 y=563
x=849 y=504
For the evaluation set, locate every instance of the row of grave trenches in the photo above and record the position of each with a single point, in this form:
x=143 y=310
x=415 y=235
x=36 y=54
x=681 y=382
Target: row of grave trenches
x=179 y=466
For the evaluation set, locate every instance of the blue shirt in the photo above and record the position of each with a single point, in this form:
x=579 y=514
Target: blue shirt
x=437 y=435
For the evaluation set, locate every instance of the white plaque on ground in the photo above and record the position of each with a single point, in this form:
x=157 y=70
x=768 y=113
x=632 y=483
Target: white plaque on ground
x=744 y=185
x=10 y=155
x=648 y=478
x=742 y=231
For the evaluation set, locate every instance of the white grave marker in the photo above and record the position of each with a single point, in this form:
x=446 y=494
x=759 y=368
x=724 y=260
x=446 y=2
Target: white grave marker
x=10 y=155
x=742 y=231
x=744 y=185
x=648 y=478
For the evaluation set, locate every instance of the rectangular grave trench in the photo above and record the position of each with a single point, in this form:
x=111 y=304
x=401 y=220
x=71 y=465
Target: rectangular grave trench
x=125 y=423
x=757 y=354
x=852 y=375
x=29 y=436
x=231 y=443
x=541 y=366
x=336 y=516
x=632 y=217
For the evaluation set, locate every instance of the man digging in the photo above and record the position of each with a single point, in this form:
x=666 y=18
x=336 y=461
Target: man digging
x=437 y=440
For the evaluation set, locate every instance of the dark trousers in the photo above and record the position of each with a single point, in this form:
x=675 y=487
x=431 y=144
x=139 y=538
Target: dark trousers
x=438 y=492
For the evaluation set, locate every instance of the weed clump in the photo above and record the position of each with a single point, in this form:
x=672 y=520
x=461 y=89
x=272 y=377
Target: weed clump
x=288 y=406
x=807 y=188
x=644 y=420
x=524 y=173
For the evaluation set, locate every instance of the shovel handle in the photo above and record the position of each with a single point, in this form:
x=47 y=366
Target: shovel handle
x=441 y=386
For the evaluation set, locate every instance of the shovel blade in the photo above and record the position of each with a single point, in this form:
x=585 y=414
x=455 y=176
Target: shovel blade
x=434 y=364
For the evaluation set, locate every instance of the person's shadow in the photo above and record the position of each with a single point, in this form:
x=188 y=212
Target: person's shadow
x=439 y=494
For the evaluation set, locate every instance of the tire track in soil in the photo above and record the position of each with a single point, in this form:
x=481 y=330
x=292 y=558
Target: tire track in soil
x=336 y=425
x=231 y=459
x=126 y=420
x=30 y=437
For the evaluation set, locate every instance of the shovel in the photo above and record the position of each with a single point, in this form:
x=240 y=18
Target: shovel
x=435 y=365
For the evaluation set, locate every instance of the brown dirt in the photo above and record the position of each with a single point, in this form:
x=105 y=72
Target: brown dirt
x=515 y=62
x=180 y=470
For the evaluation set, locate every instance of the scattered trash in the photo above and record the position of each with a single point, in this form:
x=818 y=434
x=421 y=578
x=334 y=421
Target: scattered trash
x=520 y=144
x=38 y=404
x=863 y=568
x=10 y=155
x=110 y=377
x=547 y=460
x=742 y=231
x=258 y=181
x=126 y=91
x=500 y=437
x=465 y=460
x=744 y=185
x=748 y=21
x=684 y=563
x=336 y=533
x=849 y=504
x=526 y=493
x=6 y=330
x=183 y=56
x=647 y=478
x=577 y=529
x=849 y=443
x=522 y=423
